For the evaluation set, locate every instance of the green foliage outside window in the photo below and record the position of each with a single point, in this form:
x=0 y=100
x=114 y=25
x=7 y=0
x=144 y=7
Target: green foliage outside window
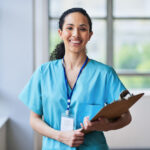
x=134 y=58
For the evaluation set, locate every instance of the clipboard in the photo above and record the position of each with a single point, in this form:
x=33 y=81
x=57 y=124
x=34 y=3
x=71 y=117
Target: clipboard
x=117 y=108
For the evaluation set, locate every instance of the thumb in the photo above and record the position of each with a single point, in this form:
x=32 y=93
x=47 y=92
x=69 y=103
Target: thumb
x=79 y=130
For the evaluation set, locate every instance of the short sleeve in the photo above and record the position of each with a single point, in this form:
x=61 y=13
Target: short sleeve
x=114 y=86
x=31 y=95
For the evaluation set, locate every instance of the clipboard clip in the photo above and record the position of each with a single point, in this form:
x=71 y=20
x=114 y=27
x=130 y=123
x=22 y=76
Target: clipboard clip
x=125 y=95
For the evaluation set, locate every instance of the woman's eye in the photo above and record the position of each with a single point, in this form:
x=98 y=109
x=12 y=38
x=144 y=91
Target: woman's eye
x=83 y=29
x=69 y=28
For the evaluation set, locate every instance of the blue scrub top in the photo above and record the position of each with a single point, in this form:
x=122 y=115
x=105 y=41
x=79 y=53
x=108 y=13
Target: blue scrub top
x=46 y=94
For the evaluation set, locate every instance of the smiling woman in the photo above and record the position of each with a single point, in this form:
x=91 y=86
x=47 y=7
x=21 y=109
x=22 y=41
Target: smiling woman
x=66 y=90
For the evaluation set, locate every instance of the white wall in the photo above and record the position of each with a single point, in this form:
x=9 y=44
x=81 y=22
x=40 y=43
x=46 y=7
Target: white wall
x=16 y=65
x=137 y=133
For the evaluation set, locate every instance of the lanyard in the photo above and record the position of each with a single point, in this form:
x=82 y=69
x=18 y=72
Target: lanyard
x=69 y=96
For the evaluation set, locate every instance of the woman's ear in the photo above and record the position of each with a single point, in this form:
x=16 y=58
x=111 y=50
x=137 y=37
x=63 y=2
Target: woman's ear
x=60 y=33
x=91 y=33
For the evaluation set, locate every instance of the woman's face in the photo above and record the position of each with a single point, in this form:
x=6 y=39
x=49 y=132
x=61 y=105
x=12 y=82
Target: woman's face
x=75 y=32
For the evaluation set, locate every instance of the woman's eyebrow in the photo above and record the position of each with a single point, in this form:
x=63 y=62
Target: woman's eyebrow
x=83 y=25
x=69 y=24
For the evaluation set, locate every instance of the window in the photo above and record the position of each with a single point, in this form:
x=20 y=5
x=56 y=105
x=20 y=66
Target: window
x=132 y=42
x=121 y=35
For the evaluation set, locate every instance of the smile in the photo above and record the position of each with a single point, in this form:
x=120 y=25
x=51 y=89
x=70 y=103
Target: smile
x=75 y=41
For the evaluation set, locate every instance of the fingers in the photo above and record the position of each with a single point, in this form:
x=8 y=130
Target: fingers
x=78 y=135
x=82 y=127
x=77 y=138
x=99 y=118
x=73 y=138
x=96 y=125
x=87 y=123
x=77 y=143
x=86 y=120
x=103 y=120
x=78 y=132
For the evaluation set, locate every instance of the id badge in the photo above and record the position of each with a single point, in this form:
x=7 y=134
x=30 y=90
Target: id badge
x=67 y=122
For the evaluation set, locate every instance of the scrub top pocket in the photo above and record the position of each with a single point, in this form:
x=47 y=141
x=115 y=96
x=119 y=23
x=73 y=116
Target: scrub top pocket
x=85 y=110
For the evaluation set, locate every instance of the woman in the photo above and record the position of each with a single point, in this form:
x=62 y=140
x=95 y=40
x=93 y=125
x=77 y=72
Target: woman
x=67 y=90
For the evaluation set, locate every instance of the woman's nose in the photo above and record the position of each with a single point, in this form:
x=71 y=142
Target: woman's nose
x=76 y=33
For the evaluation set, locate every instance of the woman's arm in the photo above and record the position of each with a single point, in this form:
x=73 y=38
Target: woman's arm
x=103 y=124
x=123 y=121
x=72 y=138
x=41 y=127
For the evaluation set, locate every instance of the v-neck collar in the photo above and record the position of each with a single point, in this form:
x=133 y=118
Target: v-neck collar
x=86 y=66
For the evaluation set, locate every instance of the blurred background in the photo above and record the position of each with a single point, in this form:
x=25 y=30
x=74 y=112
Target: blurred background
x=28 y=33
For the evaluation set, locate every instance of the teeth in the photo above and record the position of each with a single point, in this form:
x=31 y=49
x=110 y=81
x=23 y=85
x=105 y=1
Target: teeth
x=75 y=42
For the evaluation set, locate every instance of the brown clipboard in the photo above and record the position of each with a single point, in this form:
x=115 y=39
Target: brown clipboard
x=117 y=108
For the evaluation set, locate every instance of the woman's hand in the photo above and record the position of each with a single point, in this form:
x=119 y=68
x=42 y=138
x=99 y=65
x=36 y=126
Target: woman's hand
x=102 y=124
x=72 y=138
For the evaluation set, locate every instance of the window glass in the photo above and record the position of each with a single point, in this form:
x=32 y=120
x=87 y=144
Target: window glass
x=96 y=47
x=132 y=45
x=95 y=8
x=136 y=82
x=53 y=35
x=136 y=8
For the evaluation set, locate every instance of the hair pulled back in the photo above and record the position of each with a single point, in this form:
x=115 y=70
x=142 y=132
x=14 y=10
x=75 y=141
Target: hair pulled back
x=59 y=51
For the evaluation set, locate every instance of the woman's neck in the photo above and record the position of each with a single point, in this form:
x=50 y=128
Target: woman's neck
x=73 y=60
